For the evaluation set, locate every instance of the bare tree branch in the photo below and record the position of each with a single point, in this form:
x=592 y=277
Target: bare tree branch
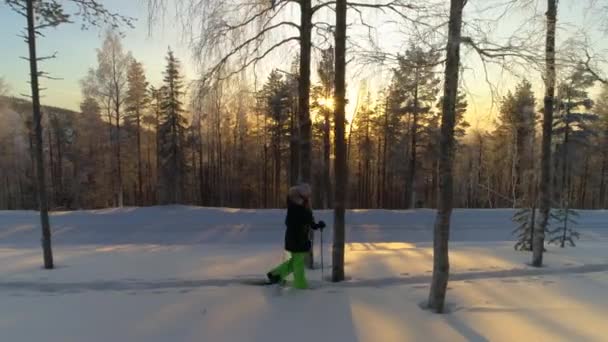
x=257 y=58
x=249 y=41
x=591 y=70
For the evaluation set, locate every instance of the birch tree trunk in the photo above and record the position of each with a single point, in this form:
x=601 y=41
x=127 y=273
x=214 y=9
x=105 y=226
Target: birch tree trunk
x=441 y=264
x=545 y=169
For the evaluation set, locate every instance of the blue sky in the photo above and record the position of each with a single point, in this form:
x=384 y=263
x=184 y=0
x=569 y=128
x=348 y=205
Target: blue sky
x=76 y=52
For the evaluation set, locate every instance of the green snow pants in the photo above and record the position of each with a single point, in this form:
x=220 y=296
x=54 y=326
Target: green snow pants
x=294 y=265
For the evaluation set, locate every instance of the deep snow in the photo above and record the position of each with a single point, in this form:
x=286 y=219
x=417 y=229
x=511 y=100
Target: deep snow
x=174 y=274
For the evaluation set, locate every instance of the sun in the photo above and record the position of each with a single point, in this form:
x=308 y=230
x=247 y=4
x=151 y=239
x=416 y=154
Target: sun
x=326 y=102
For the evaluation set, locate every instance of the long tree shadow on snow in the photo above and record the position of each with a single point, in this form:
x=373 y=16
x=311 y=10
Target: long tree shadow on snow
x=144 y=285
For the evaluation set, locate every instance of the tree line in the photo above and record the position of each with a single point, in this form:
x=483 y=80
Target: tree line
x=136 y=144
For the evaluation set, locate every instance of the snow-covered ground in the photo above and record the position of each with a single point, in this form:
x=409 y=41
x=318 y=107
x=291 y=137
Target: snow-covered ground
x=175 y=274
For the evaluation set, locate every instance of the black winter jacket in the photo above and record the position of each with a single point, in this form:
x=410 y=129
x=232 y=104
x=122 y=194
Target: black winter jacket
x=299 y=221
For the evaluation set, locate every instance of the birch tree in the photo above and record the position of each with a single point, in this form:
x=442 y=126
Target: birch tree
x=441 y=264
x=112 y=82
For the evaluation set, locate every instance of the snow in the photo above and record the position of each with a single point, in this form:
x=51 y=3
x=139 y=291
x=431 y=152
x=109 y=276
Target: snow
x=175 y=274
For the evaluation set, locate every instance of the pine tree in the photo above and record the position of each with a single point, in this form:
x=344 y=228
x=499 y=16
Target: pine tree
x=525 y=218
x=323 y=104
x=429 y=141
x=364 y=144
x=172 y=129
x=516 y=130
x=601 y=108
x=564 y=231
x=572 y=129
x=393 y=143
x=414 y=92
x=89 y=183
x=275 y=101
x=512 y=139
x=137 y=100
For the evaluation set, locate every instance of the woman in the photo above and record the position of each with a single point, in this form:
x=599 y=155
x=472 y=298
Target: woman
x=299 y=221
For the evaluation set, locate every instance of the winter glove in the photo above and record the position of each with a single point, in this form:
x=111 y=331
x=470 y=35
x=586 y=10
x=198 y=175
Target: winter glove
x=320 y=225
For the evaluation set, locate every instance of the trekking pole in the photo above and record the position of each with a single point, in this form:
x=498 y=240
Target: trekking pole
x=322 y=267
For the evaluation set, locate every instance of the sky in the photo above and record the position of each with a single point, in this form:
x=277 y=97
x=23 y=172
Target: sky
x=76 y=53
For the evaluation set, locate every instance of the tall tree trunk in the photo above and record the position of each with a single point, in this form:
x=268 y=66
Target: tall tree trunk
x=265 y=177
x=480 y=165
x=32 y=150
x=110 y=151
x=327 y=189
x=304 y=92
x=53 y=181
x=139 y=168
x=383 y=195
x=360 y=183
x=410 y=194
x=435 y=183
x=148 y=174
x=157 y=146
x=120 y=192
x=37 y=121
x=303 y=103
x=220 y=160
x=545 y=169
x=174 y=160
x=8 y=192
x=565 y=161
x=201 y=188
x=277 y=168
x=583 y=186
x=441 y=264
x=294 y=145
x=532 y=225
x=367 y=193
x=340 y=168
x=603 y=181
x=380 y=175
x=60 y=198
x=518 y=170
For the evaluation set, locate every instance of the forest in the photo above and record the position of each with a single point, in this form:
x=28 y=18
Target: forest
x=137 y=144
x=276 y=102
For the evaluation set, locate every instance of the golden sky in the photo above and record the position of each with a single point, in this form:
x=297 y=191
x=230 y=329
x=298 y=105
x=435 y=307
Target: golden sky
x=77 y=52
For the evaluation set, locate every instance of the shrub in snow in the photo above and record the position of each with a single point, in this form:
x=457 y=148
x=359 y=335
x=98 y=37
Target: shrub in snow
x=564 y=232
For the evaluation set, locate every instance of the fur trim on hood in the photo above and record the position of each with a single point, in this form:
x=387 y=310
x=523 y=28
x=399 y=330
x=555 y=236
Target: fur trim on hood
x=297 y=194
